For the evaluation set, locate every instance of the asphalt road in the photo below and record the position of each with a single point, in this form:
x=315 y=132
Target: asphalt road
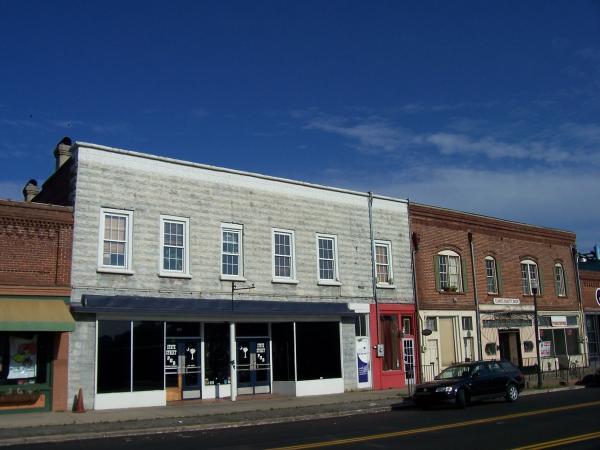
x=568 y=419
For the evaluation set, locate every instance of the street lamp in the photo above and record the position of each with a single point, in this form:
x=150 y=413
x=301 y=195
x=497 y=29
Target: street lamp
x=534 y=290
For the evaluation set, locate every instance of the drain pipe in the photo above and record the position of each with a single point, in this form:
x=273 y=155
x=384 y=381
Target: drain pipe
x=475 y=297
x=413 y=257
x=374 y=274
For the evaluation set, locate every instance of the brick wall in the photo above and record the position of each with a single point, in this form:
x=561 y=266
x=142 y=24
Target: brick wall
x=590 y=281
x=36 y=242
x=439 y=229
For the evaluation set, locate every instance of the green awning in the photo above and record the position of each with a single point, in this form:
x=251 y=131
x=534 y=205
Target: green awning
x=35 y=315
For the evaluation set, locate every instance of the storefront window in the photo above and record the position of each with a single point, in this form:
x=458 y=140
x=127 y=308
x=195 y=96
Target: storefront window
x=117 y=349
x=148 y=356
x=114 y=356
x=283 y=351
x=563 y=341
x=318 y=350
x=391 y=344
x=216 y=353
x=24 y=358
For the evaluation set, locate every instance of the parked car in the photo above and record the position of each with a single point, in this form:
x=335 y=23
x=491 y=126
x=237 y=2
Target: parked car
x=477 y=380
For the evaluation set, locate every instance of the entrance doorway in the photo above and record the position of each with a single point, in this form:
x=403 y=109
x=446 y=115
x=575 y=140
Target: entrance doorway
x=253 y=366
x=448 y=341
x=408 y=347
x=183 y=368
x=510 y=346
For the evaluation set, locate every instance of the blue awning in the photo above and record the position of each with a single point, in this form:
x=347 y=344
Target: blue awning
x=164 y=307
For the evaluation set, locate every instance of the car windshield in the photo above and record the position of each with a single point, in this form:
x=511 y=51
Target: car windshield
x=454 y=372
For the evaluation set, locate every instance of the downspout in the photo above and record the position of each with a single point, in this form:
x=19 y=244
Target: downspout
x=374 y=273
x=475 y=296
x=415 y=247
x=582 y=324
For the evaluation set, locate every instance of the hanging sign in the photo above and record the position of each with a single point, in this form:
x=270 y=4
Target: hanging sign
x=23 y=358
x=558 y=321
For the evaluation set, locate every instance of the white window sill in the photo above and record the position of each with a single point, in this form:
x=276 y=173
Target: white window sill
x=329 y=283
x=185 y=276
x=115 y=270
x=385 y=286
x=232 y=278
x=284 y=281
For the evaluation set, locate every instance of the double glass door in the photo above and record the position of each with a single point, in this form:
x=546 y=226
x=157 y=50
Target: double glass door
x=253 y=366
x=183 y=359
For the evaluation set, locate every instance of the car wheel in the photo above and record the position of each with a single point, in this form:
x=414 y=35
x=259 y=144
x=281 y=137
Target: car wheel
x=461 y=398
x=512 y=393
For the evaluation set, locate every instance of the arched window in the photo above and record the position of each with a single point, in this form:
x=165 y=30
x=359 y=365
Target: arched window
x=491 y=275
x=449 y=272
x=559 y=280
x=529 y=276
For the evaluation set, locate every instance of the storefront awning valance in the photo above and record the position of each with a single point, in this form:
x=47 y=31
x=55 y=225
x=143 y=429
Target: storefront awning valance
x=35 y=315
x=122 y=304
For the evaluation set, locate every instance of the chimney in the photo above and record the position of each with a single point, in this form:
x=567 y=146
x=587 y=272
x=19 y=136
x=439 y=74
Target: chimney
x=30 y=190
x=62 y=152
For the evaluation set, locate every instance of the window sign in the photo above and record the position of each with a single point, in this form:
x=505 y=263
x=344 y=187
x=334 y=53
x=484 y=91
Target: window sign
x=23 y=358
x=545 y=347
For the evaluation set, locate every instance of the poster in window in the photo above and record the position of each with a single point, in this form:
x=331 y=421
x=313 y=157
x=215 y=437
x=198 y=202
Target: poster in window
x=23 y=358
x=545 y=349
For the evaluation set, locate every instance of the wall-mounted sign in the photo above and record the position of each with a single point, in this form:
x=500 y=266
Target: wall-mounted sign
x=558 y=321
x=598 y=296
x=426 y=332
x=506 y=301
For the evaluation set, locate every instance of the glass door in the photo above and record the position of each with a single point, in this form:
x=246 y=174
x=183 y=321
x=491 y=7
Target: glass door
x=253 y=366
x=408 y=346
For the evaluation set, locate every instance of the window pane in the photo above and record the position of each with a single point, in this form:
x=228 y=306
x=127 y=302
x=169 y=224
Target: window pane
x=148 y=356
x=216 y=353
x=114 y=356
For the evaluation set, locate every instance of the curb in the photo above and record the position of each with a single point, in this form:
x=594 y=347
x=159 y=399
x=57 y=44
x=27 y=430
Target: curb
x=56 y=438
x=548 y=390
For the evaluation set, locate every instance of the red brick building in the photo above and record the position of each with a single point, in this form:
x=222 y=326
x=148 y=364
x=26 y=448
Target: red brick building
x=35 y=267
x=589 y=275
x=475 y=278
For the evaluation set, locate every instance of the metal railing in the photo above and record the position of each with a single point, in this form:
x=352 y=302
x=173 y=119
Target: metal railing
x=558 y=369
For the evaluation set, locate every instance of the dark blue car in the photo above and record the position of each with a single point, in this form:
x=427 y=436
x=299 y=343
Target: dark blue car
x=461 y=383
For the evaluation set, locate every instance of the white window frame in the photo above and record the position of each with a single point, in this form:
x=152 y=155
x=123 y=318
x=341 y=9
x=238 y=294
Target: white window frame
x=494 y=275
x=335 y=281
x=185 y=270
x=561 y=289
x=530 y=263
x=239 y=229
x=451 y=254
x=126 y=269
x=390 y=283
x=292 y=278
x=432 y=321
x=463 y=323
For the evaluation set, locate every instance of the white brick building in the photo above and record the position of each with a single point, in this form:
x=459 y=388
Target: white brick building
x=159 y=246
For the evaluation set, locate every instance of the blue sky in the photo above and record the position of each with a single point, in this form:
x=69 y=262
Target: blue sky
x=486 y=107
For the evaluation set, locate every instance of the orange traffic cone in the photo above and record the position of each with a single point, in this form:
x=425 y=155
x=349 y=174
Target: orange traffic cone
x=79 y=403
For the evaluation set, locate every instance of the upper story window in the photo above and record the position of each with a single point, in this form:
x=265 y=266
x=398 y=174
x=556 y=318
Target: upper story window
x=174 y=244
x=284 y=267
x=231 y=251
x=467 y=323
x=529 y=276
x=114 y=254
x=327 y=256
x=559 y=280
x=431 y=323
x=491 y=275
x=449 y=271
x=383 y=262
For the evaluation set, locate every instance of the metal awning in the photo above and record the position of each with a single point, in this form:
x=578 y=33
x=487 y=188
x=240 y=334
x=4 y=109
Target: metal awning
x=35 y=315
x=123 y=304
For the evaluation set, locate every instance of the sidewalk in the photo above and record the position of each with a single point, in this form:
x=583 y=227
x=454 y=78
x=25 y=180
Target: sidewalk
x=189 y=415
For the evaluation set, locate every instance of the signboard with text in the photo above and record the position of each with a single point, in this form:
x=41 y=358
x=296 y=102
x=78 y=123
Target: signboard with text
x=545 y=349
